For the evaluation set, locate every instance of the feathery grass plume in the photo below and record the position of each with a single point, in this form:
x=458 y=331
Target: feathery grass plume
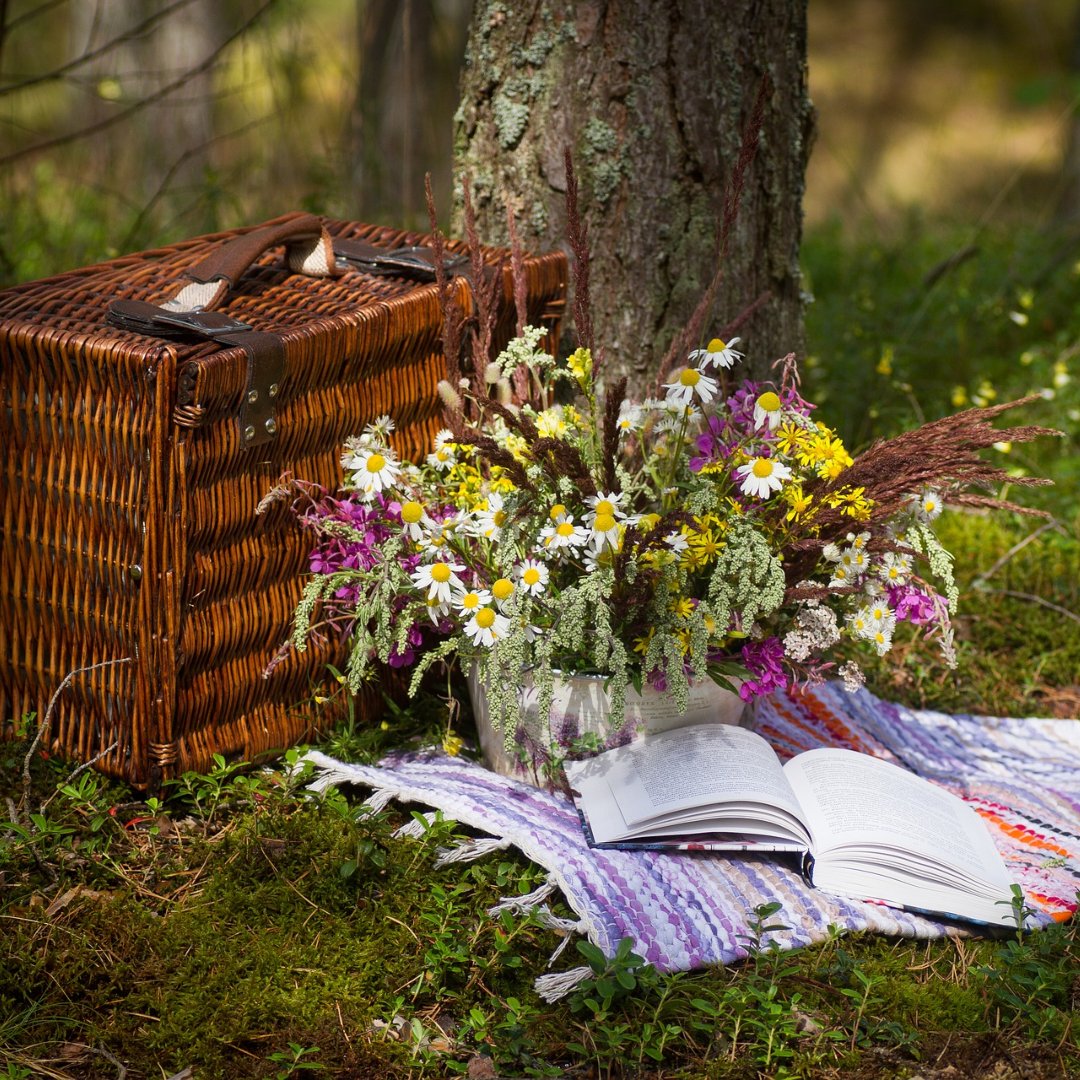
x=453 y=318
x=736 y=184
x=941 y=454
x=559 y=459
x=610 y=451
x=486 y=287
x=577 y=233
x=517 y=271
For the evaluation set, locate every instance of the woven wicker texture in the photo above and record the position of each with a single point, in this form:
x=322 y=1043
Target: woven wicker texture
x=129 y=524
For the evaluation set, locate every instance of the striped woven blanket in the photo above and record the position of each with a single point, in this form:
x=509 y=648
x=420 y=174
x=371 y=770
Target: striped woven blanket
x=690 y=910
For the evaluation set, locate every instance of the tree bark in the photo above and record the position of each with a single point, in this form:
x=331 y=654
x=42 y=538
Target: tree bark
x=652 y=99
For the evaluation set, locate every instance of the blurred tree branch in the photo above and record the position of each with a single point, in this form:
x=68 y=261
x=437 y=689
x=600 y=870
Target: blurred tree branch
x=157 y=95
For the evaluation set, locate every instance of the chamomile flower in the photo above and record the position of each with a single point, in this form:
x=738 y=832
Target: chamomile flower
x=533 y=576
x=606 y=503
x=690 y=383
x=374 y=469
x=927 y=505
x=379 y=428
x=440 y=579
x=437 y=611
x=443 y=458
x=470 y=601
x=604 y=531
x=718 y=353
x=564 y=536
x=895 y=568
x=486 y=627
x=503 y=589
x=768 y=410
x=762 y=477
x=414 y=519
x=630 y=418
x=492 y=518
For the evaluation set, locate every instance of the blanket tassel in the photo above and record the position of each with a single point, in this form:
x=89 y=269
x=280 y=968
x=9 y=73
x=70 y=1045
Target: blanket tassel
x=471 y=849
x=552 y=987
x=519 y=905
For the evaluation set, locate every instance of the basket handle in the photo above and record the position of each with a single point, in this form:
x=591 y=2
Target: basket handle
x=308 y=250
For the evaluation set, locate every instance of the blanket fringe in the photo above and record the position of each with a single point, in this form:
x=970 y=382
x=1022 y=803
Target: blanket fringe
x=519 y=905
x=468 y=850
x=414 y=829
x=552 y=987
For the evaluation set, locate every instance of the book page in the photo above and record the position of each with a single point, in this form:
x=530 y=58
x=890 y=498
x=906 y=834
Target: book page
x=687 y=768
x=852 y=800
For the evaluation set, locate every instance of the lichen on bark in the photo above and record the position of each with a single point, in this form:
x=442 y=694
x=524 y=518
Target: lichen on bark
x=652 y=99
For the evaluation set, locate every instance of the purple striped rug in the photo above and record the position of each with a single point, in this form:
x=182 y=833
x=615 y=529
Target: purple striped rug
x=690 y=910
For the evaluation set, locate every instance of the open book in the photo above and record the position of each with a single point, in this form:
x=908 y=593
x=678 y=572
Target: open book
x=868 y=830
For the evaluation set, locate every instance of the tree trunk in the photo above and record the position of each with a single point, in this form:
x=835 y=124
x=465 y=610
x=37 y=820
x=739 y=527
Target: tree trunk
x=652 y=100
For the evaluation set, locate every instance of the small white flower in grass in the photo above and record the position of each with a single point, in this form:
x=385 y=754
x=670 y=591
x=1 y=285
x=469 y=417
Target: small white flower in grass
x=533 y=576
x=490 y=521
x=374 y=470
x=564 y=536
x=879 y=613
x=882 y=635
x=486 y=627
x=689 y=384
x=858 y=541
x=440 y=579
x=859 y=624
x=762 y=477
x=855 y=560
x=840 y=576
x=718 y=353
x=768 y=410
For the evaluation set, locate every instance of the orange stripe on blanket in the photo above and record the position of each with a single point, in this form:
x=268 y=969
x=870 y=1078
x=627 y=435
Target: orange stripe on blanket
x=1027 y=836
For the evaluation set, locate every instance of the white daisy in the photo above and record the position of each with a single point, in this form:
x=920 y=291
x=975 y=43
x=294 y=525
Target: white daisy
x=882 y=635
x=437 y=611
x=718 y=353
x=379 y=428
x=690 y=382
x=858 y=541
x=470 y=601
x=439 y=579
x=677 y=541
x=762 y=477
x=895 y=568
x=676 y=415
x=926 y=506
x=768 y=410
x=630 y=418
x=879 y=613
x=503 y=589
x=443 y=458
x=840 y=576
x=486 y=627
x=564 y=536
x=414 y=519
x=374 y=469
x=490 y=521
x=609 y=503
x=604 y=531
x=533 y=576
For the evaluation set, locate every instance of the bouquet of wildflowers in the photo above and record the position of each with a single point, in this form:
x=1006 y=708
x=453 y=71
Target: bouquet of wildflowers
x=720 y=531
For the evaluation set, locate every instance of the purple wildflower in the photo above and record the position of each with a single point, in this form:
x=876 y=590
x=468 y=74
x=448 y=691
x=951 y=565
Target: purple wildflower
x=912 y=605
x=763 y=661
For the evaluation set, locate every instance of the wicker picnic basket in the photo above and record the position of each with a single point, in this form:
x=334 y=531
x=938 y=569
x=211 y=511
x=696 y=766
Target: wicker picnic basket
x=135 y=459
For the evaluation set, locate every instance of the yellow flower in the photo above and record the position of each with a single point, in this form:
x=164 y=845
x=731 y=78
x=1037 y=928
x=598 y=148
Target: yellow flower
x=790 y=438
x=452 y=744
x=884 y=365
x=648 y=522
x=580 y=364
x=682 y=607
x=641 y=644
x=705 y=545
x=798 y=500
